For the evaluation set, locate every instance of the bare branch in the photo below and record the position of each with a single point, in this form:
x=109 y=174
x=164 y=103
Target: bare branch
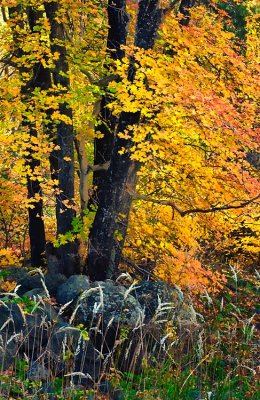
x=228 y=206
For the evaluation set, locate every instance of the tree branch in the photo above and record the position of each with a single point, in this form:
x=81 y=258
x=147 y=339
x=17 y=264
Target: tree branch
x=103 y=82
x=98 y=167
x=4 y=16
x=228 y=206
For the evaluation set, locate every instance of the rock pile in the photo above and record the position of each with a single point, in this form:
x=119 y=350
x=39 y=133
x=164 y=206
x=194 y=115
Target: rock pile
x=78 y=329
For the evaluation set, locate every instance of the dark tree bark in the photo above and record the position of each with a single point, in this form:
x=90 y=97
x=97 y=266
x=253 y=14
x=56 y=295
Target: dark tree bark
x=108 y=233
x=117 y=34
x=40 y=79
x=62 y=162
x=185 y=11
x=148 y=22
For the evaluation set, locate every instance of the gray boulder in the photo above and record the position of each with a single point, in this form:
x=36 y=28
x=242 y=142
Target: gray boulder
x=38 y=371
x=35 y=294
x=53 y=281
x=11 y=333
x=87 y=362
x=11 y=318
x=48 y=312
x=35 y=334
x=158 y=299
x=22 y=332
x=16 y=273
x=165 y=305
x=106 y=309
x=29 y=282
x=73 y=355
x=109 y=303
x=72 y=288
x=37 y=328
x=64 y=336
x=8 y=350
x=166 y=315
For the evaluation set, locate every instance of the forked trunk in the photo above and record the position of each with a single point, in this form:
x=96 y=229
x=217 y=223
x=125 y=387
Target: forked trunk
x=108 y=233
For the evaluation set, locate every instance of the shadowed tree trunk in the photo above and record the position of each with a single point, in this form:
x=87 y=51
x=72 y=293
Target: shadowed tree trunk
x=62 y=163
x=40 y=79
x=117 y=34
x=108 y=233
x=185 y=11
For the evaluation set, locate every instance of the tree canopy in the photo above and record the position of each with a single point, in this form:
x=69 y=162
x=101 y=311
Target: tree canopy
x=129 y=136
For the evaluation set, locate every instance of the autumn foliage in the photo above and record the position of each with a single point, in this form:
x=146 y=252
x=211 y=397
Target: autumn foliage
x=196 y=204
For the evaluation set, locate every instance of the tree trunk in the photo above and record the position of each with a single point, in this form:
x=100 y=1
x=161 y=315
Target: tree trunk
x=40 y=79
x=108 y=233
x=63 y=167
x=185 y=11
x=117 y=33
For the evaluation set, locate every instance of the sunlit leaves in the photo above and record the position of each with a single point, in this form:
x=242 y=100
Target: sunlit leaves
x=23 y=49
x=198 y=98
x=196 y=95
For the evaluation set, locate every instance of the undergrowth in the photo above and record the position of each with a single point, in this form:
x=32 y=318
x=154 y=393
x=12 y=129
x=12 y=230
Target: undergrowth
x=221 y=364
